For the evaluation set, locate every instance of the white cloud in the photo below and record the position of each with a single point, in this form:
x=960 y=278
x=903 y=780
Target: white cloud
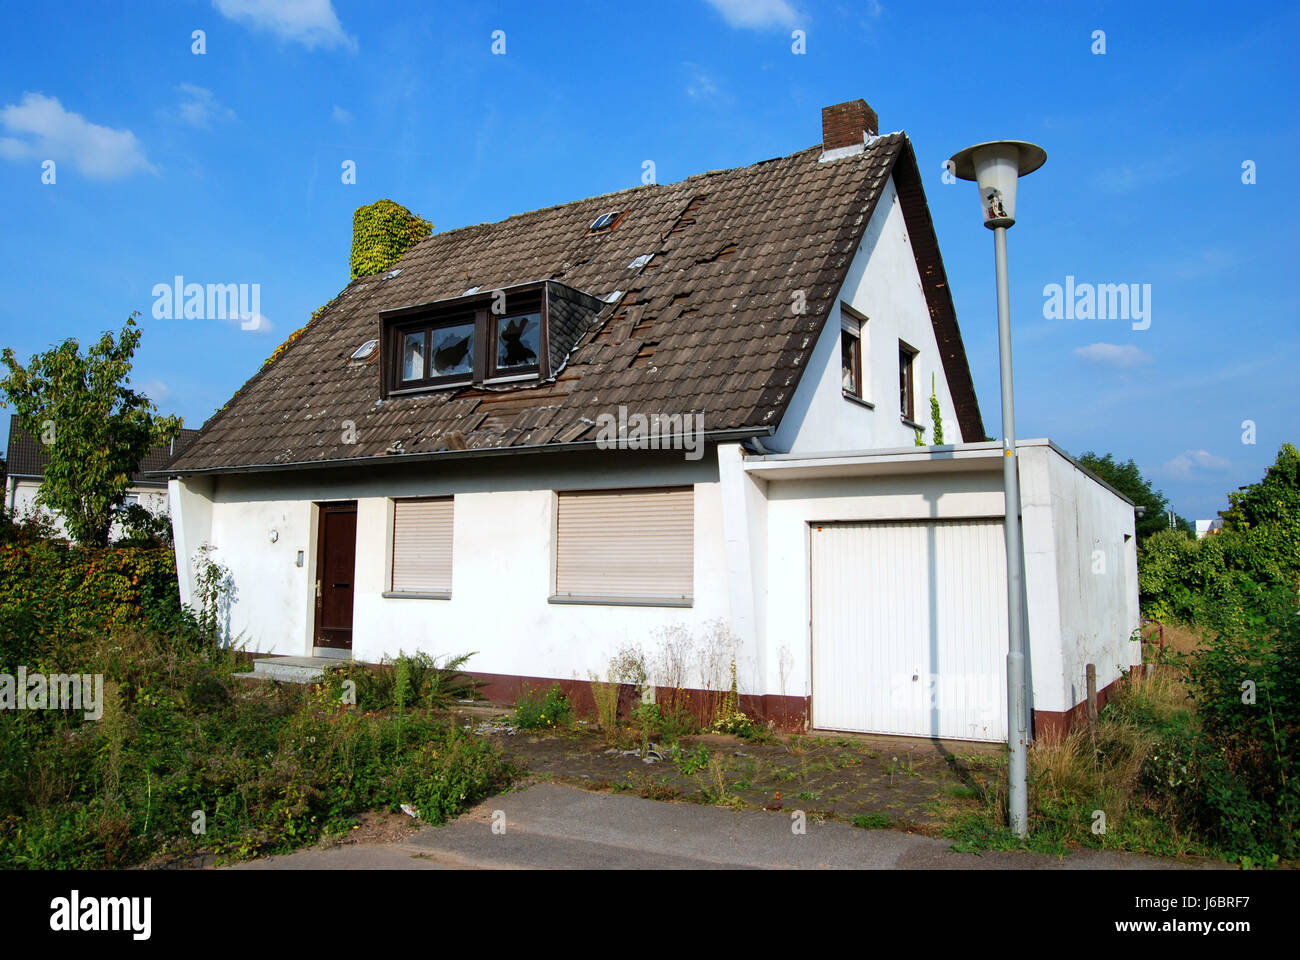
x=702 y=86
x=756 y=14
x=254 y=323
x=199 y=108
x=1191 y=462
x=1118 y=355
x=39 y=128
x=339 y=115
x=313 y=23
x=156 y=390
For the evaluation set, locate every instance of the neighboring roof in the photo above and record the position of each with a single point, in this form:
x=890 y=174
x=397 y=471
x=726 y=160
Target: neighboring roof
x=706 y=326
x=26 y=458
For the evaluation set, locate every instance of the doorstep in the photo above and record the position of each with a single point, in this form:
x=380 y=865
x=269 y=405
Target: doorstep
x=290 y=669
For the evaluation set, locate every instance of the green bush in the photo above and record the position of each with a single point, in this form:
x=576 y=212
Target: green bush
x=428 y=683
x=543 y=712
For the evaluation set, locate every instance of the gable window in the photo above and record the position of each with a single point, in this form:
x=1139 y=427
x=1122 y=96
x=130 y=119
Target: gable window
x=906 y=376
x=625 y=547
x=853 y=353
x=421 y=553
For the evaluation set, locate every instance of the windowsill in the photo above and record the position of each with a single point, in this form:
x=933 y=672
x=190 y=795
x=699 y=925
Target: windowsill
x=512 y=378
x=624 y=601
x=856 y=399
x=911 y=424
x=429 y=387
x=389 y=595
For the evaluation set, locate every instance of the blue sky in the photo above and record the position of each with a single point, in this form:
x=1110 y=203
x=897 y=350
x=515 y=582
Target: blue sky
x=226 y=167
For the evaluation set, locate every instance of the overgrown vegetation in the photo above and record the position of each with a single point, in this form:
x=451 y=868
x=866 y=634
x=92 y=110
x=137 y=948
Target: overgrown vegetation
x=94 y=428
x=543 y=711
x=184 y=758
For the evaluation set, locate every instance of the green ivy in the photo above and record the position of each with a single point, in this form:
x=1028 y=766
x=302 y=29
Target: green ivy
x=381 y=233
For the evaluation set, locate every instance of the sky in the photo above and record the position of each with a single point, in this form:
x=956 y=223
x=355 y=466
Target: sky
x=1170 y=129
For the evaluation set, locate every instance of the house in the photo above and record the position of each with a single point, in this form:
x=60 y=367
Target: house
x=1206 y=527
x=26 y=460
x=682 y=411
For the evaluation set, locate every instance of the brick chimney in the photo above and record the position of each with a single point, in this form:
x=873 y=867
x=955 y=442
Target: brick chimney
x=844 y=124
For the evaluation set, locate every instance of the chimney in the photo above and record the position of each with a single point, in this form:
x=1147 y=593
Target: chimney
x=844 y=124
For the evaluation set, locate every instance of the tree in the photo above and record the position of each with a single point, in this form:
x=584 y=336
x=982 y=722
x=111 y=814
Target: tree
x=95 y=428
x=1128 y=480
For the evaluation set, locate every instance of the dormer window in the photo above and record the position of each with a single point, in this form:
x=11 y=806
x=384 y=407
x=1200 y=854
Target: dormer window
x=489 y=337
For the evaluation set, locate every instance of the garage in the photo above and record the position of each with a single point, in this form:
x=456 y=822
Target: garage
x=909 y=628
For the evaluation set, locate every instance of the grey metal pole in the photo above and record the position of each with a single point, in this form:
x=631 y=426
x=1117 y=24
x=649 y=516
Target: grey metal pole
x=1017 y=722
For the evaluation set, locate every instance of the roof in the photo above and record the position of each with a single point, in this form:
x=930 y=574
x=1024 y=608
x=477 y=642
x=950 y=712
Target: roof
x=26 y=459
x=707 y=326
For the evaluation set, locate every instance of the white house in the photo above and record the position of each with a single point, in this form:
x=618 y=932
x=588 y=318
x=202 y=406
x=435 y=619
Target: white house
x=679 y=414
x=25 y=461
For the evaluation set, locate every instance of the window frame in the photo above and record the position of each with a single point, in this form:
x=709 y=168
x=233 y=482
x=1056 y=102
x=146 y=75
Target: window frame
x=396 y=339
x=907 y=355
x=854 y=325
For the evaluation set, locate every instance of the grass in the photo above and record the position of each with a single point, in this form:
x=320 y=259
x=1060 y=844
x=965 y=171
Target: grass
x=187 y=760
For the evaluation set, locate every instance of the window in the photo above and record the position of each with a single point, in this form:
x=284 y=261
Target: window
x=625 y=546
x=906 y=362
x=518 y=344
x=851 y=357
x=435 y=355
x=131 y=500
x=421 y=558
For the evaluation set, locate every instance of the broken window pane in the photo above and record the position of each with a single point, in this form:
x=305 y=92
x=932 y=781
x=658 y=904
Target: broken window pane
x=518 y=341
x=453 y=350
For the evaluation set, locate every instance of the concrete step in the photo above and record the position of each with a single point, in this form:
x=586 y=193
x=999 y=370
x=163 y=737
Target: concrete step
x=291 y=669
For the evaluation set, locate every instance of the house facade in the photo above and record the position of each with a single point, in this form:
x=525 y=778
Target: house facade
x=682 y=418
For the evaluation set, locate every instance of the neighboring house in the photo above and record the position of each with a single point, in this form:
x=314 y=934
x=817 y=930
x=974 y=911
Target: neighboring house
x=420 y=472
x=26 y=459
x=1206 y=527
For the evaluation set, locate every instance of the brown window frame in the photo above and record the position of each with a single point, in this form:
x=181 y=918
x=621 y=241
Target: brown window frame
x=475 y=309
x=907 y=355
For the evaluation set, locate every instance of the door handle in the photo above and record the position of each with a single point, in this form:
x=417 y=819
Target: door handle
x=317 y=589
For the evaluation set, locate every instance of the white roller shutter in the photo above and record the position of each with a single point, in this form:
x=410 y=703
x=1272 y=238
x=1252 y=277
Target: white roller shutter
x=909 y=624
x=422 y=546
x=626 y=544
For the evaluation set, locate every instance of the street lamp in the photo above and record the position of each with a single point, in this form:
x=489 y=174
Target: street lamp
x=996 y=166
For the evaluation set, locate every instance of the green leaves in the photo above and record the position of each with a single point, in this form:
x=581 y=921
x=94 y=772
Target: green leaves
x=381 y=233
x=95 y=428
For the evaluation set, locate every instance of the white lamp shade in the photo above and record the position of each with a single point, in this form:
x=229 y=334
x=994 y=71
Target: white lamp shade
x=995 y=167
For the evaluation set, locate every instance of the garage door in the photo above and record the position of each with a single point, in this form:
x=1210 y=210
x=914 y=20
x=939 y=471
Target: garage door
x=909 y=628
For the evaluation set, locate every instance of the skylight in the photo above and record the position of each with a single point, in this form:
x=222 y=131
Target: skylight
x=640 y=261
x=392 y=273
x=365 y=351
x=604 y=220
x=469 y=291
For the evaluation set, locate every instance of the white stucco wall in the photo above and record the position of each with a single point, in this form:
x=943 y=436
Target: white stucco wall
x=1080 y=577
x=503 y=562
x=883 y=285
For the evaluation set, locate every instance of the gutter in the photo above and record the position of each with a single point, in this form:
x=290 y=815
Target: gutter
x=715 y=436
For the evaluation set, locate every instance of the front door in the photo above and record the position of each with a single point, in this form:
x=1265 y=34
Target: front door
x=336 y=555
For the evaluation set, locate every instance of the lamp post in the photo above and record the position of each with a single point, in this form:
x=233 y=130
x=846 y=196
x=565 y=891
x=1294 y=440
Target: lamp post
x=996 y=166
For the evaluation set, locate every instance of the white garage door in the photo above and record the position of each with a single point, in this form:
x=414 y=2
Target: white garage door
x=909 y=628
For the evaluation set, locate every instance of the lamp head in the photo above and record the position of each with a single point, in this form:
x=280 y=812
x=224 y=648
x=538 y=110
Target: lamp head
x=996 y=166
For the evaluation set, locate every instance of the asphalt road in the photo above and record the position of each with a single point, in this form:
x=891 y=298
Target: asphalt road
x=547 y=826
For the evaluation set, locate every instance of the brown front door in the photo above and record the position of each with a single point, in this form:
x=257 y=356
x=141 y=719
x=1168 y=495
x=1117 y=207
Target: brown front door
x=336 y=560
